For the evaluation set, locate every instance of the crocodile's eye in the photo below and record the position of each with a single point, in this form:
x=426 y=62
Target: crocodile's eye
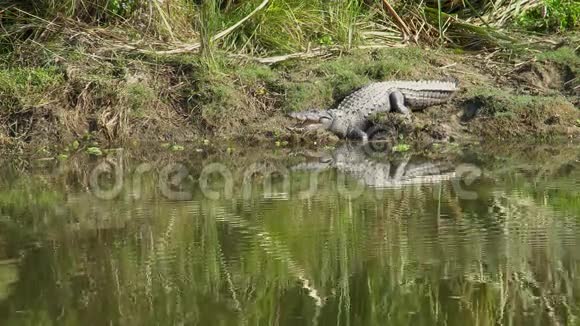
x=324 y=119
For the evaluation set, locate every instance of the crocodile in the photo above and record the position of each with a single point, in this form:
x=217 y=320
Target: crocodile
x=351 y=118
x=378 y=172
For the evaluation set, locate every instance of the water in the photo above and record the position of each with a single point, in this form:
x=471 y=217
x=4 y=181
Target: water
x=479 y=239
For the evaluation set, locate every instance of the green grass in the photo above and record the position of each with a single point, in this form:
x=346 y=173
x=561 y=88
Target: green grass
x=253 y=74
x=564 y=56
x=302 y=96
x=31 y=86
x=287 y=26
x=551 y=15
x=138 y=96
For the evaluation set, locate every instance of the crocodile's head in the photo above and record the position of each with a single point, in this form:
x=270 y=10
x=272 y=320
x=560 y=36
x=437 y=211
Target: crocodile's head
x=314 y=119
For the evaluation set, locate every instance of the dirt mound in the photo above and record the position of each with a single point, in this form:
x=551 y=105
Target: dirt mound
x=542 y=122
x=542 y=77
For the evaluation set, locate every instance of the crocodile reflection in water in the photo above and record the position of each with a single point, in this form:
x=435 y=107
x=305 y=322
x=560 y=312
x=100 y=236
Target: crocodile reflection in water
x=376 y=169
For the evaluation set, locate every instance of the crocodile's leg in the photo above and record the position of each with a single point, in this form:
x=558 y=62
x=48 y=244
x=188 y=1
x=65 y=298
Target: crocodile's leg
x=358 y=133
x=398 y=102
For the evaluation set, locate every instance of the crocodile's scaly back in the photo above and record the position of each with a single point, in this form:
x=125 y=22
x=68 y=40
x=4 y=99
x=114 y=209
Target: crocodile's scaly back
x=418 y=94
x=368 y=99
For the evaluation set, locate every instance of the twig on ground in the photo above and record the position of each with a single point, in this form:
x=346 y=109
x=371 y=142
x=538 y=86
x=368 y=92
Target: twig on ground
x=318 y=52
x=448 y=66
x=280 y=58
x=571 y=81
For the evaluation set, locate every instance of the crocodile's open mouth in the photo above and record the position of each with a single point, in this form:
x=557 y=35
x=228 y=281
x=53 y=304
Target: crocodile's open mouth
x=311 y=120
x=308 y=125
x=304 y=128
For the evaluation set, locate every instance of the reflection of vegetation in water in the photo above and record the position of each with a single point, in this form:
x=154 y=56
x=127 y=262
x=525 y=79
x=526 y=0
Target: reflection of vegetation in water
x=549 y=175
x=419 y=254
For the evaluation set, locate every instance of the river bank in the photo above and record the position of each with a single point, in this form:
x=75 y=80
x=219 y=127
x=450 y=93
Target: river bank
x=56 y=106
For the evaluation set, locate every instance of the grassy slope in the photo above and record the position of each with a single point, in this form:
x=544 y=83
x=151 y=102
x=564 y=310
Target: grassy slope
x=50 y=105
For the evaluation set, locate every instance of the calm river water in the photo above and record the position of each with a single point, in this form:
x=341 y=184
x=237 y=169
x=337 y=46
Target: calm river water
x=342 y=237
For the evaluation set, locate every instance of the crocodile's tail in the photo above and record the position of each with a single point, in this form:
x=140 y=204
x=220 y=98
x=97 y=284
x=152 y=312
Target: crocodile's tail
x=427 y=93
